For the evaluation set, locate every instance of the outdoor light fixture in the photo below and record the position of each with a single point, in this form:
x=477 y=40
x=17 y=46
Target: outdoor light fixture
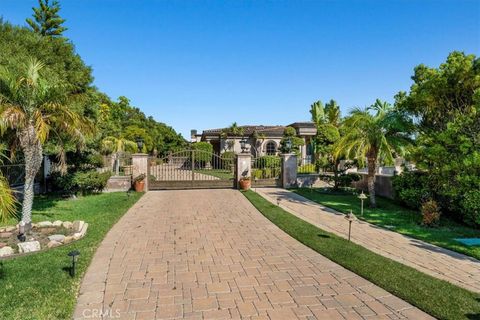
x=74 y=254
x=243 y=144
x=21 y=232
x=288 y=145
x=362 y=197
x=139 y=142
x=350 y=218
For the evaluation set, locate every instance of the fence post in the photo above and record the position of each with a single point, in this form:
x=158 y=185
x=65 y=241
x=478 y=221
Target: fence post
x=289 y=170
x=243 y=167
x=139 y=166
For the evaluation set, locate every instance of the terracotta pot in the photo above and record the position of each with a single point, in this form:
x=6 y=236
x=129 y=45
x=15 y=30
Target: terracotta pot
x=245 y=184
x=139 y=185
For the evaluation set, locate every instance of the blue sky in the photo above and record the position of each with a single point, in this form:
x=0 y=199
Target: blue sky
x=206 y=64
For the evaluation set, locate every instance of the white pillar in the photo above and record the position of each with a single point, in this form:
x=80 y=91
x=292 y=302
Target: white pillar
x=140 y=166
x=289 y=170
x=243 y=167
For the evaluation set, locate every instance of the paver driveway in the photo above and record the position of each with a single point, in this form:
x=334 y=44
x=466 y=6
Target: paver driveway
x=209 y=254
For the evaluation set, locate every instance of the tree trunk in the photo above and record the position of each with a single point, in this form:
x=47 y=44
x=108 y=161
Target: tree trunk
x=32 y=151
x=372 y=168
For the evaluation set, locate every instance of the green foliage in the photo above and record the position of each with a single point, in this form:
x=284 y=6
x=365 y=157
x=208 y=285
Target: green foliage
x=134 y=132
x=87 y=182
x=203 y=152
x=291 y=134
x=430 y=213
x=46 y=20
x=228 y=160
x=267 y=162
x=7 y=200
x=446 y=103
x=411 y=188
x=307 y=168
x=471 y=206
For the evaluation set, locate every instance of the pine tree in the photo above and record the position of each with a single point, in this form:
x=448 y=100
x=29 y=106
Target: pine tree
x=46 y=19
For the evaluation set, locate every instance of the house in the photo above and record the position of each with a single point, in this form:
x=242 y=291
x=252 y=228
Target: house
x=260 y=140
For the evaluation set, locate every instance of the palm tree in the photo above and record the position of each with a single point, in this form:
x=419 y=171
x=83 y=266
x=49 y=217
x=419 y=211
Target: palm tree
x=115 y=146
x=375 y=137
x=34 y=109
x=7 y=199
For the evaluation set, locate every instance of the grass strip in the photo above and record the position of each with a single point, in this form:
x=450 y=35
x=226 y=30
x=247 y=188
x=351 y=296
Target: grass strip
x=436 y=297
x=38 y=286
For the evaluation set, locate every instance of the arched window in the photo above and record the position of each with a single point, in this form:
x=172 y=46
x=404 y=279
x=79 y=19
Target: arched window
x=271 y=148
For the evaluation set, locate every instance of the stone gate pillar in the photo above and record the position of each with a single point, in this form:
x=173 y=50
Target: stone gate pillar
x=243 y=167
x=139 y=166
x=289 y=170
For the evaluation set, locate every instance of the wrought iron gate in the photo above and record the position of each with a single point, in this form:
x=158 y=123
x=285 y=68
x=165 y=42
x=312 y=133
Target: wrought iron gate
x=266 y=171
x=191 y=169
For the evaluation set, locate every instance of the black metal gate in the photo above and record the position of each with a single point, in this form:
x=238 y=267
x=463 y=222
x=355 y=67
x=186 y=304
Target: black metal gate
x=191 y=169
x=266 y=171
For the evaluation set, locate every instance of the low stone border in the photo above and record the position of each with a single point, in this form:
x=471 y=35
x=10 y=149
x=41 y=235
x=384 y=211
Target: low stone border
x=79 y=228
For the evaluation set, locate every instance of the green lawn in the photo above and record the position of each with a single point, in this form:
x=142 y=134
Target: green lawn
x=218 y=173
x=37 y=286
x=404 y=221
x=436 y=297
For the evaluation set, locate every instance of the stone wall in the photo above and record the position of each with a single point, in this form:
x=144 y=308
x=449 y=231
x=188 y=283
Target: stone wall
x=383 y=185
x=118 y=183
x=310 y=180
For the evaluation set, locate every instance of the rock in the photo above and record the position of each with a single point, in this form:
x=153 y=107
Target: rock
x=44 y=224
x=10 y=229
x=78 y=225
x=57 y=237
x=5 y=235
x=68 y=239
x=53 y=244
x=24 y=247
x=57 y=223
x=6 y=251
x=2 y=244
x=2 y=230
x=67 y=224
x=82 y=232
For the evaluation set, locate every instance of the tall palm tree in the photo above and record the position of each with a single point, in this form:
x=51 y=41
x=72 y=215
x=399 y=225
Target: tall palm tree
x=35 y=108
x=375 y=137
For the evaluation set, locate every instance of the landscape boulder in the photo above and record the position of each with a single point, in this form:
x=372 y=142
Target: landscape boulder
x=44 y=224
x=57 y=237
x=57 y=223
x=53 y=244
x=67 y=224
x=31 y=246
x=6 y=251
x=78 y=225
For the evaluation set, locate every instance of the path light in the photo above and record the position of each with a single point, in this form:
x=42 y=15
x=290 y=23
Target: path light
x=278 y=202
x=288 y=145
x=362 y=197
x=139 y=142
x=74 y=254
x=350 y=217
x=243 y=144
x=21 y=232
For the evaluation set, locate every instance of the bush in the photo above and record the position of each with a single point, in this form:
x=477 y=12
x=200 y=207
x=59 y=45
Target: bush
x=203 y=152
x=471 y=207
x=267 y=162
x=411 y=188
x=228 y=159
x=430 y=213
x=90 y=181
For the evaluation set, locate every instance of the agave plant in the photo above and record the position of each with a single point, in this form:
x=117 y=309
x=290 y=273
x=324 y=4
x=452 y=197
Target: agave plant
x=35 y=108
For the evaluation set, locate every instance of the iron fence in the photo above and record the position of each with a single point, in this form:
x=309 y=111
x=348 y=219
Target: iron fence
x=14 y=173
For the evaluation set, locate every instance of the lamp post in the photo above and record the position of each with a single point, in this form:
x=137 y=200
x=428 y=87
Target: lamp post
x=362 y=198
x=74 y=254
x=139 y=142
x=350 y=218
x=243 y=144
x=288 y=145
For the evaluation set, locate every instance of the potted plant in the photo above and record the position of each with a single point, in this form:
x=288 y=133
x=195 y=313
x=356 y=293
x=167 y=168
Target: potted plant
x=139 y=183
x=245 y=183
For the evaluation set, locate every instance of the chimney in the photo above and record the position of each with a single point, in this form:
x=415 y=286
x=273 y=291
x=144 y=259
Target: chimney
x=193 y=133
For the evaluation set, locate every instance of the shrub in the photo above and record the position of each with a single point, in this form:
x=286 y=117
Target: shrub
x=227 y=159
x=257 y=173
x=267 y=162
x=307 y=168
x=90 y=181
x=203 y=152
x=430 y=213
x=471 y=207
x=411 y=188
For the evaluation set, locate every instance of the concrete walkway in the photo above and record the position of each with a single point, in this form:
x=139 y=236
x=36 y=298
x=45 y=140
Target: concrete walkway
x=441 y=263
x=209 y=254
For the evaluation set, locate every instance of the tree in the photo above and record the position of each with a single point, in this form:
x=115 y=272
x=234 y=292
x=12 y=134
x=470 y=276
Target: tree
x=445 y=103
x=46 y=20
x=35 y=109
x=377 y=137
x=291 y=134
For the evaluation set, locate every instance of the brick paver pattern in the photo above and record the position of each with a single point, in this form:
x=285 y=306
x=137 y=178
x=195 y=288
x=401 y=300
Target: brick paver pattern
x=441 y=263
x=209 y=254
